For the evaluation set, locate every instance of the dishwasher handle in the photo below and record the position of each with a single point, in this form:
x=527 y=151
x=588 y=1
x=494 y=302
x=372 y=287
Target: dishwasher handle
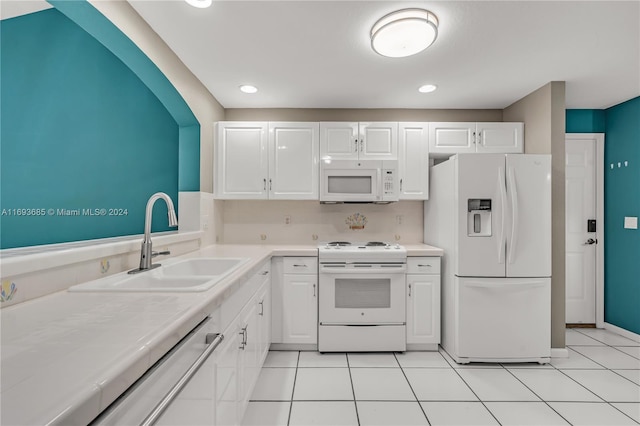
x=213 y=340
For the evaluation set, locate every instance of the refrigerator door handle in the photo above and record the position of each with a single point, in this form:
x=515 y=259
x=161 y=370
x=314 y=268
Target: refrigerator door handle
x=514 y=209
x=505 y=285
x=503 y=195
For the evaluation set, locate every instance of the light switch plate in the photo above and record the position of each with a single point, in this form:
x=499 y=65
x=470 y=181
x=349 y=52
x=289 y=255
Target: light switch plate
x=630 y=222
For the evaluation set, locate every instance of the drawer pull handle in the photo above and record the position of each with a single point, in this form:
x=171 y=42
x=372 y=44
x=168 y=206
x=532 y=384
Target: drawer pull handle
x=213 y=340
x=424 y=266
x=299 y=266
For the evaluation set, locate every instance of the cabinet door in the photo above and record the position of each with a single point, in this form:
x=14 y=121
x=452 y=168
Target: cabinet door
x=248 y=367
x=500 y=138
x=451 y=138
x=423 y=308
x=413 y=160
x=378 y=140
x=338 y=140
x=300 y=309
x=263 y=301
x=293 y=161
x=241 y=160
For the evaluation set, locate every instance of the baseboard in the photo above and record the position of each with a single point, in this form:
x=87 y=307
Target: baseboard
x=621 y=331
x=422 y=347
x=293 y=347
x=559 y=353
x=580 y=326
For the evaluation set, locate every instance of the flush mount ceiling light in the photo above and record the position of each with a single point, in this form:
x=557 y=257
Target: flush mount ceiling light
x=199 y=3
x=404 y=33
x=427 y=88
x=247 y=88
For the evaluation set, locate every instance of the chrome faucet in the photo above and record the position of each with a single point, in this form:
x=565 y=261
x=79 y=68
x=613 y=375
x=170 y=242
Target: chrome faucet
x=146 y=253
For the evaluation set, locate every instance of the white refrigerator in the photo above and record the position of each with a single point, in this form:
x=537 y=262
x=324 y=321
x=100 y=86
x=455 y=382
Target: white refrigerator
x=491 y=213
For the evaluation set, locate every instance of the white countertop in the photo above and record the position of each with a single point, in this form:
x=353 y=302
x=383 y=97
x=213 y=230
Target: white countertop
x=67 y=356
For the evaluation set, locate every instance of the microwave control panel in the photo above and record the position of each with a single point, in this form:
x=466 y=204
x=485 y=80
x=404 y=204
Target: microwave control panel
x=388 y=181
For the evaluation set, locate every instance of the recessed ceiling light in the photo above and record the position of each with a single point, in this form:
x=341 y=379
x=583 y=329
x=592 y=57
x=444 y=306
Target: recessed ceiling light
x=199 y=3
x=427 y=88
x=246 y=88
x=404 y=32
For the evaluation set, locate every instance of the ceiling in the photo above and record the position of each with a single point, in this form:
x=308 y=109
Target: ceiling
x=489 y=54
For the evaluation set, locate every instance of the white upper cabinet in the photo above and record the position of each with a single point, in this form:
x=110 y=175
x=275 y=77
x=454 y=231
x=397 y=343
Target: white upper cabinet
x=353 y=141
x=339 y=140
x=241 y=160
x=260 y=160
x=413 y=160
x=451 y=138
x=293 y=161
x=500 y=138
x=454 y=138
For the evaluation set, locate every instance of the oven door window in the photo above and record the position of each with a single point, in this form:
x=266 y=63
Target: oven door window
x=354 y=293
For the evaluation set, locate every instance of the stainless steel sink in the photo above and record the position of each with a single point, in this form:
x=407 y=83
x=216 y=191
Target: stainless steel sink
x=188 y=275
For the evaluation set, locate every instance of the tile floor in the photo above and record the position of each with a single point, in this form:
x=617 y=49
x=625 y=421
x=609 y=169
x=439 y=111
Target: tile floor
x=599 y=384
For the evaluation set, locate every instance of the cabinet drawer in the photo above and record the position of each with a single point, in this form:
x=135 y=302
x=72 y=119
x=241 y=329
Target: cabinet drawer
x=423 y=265
x=300 y=265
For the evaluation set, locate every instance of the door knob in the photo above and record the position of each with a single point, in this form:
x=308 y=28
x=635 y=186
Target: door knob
x=590 y=241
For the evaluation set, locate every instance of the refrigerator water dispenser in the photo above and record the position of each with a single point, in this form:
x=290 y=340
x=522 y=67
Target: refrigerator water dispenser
x=479 y=217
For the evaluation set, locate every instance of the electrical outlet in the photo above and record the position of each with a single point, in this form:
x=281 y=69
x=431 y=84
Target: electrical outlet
x=399 y=219
x=631 y=222
x=287 y=220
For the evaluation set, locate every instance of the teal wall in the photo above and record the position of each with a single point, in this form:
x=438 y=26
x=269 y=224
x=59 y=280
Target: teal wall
x=622 y=198
x=585 y=121
x=621 y=125
x=82 y=130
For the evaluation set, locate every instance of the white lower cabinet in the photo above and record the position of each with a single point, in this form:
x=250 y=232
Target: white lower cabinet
x=295 y=301
x=423 y=302
x=219 y=392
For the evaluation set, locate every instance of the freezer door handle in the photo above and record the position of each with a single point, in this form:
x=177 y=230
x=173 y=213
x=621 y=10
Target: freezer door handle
x=515 y=214
x=505 y=285
x=503 y=195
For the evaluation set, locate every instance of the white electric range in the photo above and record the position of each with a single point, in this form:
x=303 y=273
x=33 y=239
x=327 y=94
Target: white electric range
x=361 y=297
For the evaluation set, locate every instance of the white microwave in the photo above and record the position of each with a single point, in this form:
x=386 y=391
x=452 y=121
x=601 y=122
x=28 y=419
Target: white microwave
x=359 y=181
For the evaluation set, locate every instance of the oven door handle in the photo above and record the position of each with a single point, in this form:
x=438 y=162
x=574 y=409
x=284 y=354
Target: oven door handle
x=387 y=269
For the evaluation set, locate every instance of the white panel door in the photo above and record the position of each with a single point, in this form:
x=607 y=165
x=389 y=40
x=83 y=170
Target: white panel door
x=529 y=199
x=293 y=161
x=300 y=309
x=413 y=160
x=480 y=177
x=580 y=189
x=338 y=140
x=378 y=141
x=423 y=308
x=241 y=160
x=504 y=317
x=500 y=138
x=451 y=138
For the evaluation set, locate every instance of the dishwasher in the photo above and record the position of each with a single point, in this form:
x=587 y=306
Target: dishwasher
x=188 y=386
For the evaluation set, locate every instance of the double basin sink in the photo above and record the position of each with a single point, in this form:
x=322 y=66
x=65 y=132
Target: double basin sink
x=189 y=275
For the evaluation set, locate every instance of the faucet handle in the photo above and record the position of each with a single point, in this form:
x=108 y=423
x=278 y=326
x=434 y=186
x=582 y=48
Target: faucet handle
x=160 y=253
